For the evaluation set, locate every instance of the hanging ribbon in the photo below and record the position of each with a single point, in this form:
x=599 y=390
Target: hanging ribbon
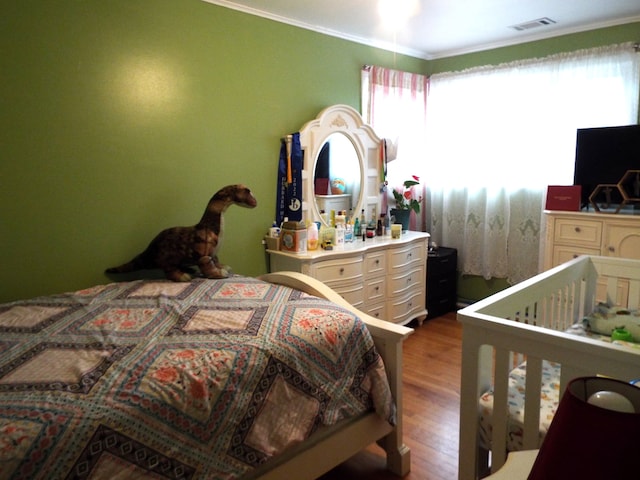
x=384 y=207
x=289 y=196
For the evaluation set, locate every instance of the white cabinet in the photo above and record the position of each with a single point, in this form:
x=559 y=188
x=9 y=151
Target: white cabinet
x=570 y=234
x=383 y=277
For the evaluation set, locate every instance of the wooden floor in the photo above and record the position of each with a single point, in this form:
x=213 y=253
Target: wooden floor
x=431 y=383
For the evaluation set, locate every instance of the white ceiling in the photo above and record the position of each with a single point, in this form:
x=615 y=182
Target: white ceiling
x=444 y=28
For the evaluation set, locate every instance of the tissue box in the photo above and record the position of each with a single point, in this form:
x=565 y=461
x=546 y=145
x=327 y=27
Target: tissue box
x=293 y=237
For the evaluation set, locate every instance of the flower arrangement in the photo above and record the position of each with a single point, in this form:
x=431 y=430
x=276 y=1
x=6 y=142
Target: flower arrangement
x=405 y=199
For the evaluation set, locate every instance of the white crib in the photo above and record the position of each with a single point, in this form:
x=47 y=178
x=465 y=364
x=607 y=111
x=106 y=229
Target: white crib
x=528 y=321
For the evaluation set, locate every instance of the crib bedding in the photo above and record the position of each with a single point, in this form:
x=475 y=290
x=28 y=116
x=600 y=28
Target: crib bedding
x=549 y=395
x=155 y=379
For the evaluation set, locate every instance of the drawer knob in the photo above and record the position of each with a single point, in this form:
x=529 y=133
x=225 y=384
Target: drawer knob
x=377 y=288
x=612 y=248
x=341 y=271
x=378 y=261
x=577 y=229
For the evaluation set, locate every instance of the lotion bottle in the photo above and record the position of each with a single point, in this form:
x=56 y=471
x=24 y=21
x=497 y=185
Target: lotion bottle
x=312 y=236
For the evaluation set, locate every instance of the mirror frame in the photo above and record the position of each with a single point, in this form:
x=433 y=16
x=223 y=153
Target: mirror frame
x=346 y=120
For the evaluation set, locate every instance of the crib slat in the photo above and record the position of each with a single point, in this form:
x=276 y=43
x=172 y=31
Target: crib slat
x=500 y=420
x=612 y=291
x=533 y=386
x=634 y=294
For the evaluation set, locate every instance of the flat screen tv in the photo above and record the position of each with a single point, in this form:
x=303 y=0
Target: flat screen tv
x=603 y=155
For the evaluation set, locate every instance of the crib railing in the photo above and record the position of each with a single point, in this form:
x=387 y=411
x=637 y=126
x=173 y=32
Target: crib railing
x=528 y=321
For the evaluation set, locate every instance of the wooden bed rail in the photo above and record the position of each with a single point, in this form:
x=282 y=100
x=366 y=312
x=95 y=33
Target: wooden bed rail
x=529 y=319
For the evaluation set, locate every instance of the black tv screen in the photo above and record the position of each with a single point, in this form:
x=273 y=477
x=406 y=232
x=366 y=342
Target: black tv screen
x=603 y=155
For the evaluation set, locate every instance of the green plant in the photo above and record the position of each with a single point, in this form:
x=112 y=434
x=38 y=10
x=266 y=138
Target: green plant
x=405 y=199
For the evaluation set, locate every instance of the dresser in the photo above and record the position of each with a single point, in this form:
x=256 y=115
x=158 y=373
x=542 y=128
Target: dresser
x=442 y=277
x=383 y=277
x=570 y=234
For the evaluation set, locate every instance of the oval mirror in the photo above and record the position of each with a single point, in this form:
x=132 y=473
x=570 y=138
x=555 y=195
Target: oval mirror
x=337 y=176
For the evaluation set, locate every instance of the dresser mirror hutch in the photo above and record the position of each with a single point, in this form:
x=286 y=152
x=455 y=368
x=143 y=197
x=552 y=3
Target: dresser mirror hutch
x=381 y=276
x=338 y=145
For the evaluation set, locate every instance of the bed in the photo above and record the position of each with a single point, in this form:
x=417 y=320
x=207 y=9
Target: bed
x=522 y=342
x=270 y=377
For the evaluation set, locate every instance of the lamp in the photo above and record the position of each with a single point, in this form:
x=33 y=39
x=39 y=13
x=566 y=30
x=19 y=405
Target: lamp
x=594 y=434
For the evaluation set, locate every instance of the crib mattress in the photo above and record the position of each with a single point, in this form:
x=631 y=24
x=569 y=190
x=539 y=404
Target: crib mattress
x=549 y=397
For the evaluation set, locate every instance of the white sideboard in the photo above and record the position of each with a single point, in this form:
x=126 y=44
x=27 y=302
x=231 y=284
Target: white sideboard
x=383 y=277
x=570 y=234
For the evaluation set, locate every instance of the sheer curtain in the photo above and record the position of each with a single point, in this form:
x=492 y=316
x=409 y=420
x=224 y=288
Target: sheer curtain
x=498 y=136
x=394 y=104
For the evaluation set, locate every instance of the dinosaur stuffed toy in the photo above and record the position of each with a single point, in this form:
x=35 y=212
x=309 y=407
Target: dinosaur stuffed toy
x=176 y=249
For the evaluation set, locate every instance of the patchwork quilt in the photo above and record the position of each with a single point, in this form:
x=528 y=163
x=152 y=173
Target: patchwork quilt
x=155 y=379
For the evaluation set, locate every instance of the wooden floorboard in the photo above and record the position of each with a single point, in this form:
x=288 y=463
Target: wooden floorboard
x=431 y=389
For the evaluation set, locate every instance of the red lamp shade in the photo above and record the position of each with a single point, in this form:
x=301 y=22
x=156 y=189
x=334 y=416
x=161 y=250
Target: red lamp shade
x=587 y=441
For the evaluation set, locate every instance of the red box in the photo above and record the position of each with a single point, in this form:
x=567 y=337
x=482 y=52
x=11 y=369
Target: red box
x=563 y=197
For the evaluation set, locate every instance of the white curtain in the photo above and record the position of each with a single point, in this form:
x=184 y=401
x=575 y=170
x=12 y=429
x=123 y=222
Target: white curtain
x=498 y=136
x=394 y=104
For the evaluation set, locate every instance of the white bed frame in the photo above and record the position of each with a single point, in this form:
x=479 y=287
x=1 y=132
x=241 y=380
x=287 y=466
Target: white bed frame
x=527 y=321
x=326 y=449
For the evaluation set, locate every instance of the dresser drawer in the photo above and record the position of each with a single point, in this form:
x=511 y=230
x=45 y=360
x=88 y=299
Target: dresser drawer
x=405 y=281
x=406 y=306
x=442 y=261
x=441 y=283
x=563 y=253
x=375 y=263
x=376 y=310
x=408 y=256
x=349 y=268
x=351 y=292
x=586 y=233
x=374 y=290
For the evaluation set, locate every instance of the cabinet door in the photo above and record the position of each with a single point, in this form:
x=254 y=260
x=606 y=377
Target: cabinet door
x=622 y=241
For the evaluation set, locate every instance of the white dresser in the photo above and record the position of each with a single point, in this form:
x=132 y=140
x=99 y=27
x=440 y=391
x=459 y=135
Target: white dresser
x=570 y=234
x=383 y=277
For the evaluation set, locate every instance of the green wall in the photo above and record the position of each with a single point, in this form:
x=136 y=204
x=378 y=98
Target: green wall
x=120 y=118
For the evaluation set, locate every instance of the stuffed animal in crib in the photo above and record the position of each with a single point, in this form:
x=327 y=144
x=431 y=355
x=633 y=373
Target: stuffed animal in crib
x=176 y=249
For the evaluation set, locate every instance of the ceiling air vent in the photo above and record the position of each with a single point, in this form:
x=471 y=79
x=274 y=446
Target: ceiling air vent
x=540 y=22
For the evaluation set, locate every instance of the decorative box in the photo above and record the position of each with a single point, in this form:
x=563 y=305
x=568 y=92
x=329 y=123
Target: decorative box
x=293 y=237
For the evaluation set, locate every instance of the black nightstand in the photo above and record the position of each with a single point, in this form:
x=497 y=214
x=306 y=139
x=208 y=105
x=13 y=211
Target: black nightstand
x=441 y=281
